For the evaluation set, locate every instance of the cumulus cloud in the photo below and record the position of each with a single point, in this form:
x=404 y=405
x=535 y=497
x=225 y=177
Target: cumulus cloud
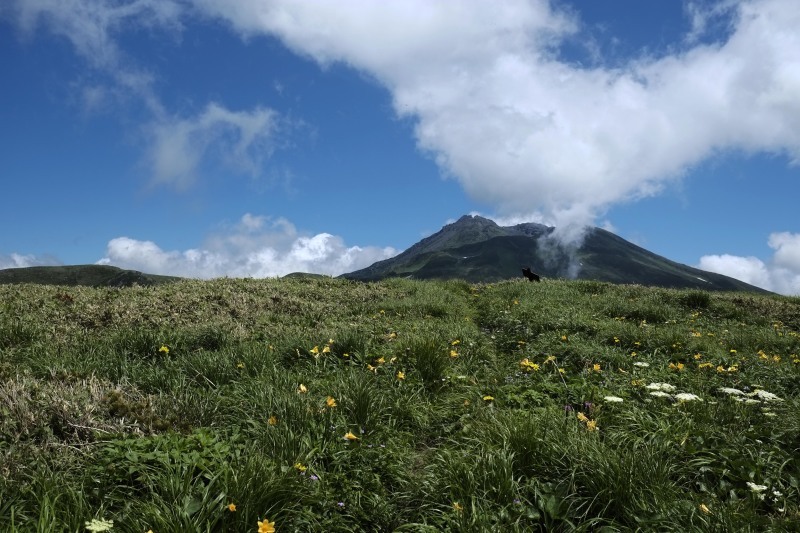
x=256 y=246
x=781 y=274
x=240 y=139
x=15 y=260
x=525 y=131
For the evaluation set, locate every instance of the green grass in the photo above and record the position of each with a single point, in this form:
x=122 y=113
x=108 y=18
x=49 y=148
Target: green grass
x=475 y=407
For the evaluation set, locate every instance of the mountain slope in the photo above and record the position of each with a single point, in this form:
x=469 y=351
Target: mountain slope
x=476 y=249
x=88 y=275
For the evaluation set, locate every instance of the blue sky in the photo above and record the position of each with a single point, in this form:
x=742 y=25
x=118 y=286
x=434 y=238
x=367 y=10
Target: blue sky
x=207 y=138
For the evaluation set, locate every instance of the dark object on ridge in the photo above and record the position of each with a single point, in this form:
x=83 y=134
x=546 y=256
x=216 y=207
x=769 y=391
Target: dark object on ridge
x=532 y=276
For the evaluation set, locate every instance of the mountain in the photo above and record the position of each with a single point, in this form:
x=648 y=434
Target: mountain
x=476 y=249
x=89 y=275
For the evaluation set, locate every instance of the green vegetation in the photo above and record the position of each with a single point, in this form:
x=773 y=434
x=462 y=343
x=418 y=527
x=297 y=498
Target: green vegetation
x=88 y=275
x=322 y=404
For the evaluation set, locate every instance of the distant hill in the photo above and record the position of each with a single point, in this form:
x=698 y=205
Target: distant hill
x=476 y=249
x=88 y=275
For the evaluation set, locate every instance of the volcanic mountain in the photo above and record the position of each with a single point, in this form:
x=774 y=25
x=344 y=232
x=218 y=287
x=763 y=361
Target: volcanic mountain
x=476 y=249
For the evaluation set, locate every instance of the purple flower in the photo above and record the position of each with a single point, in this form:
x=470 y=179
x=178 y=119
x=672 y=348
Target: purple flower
x=568 y=408
x=340 y=504
x=314 y=477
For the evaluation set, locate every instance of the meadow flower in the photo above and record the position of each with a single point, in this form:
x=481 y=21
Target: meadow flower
x=660 y=394
x=528 y=366
x=678 y=367
x=666 y=387
x=266 y=526
x=705 y=365
x=163 y=350
x=455 y=342
x=687 y=397
x=457 y=506
x=596 y=367
x=488 y=398
x=314 y=351
x=401 y=375
x=302 y=389
x=582 y=417
x=731 y=391
x=300 y=467
x=613 y=399
x=380 y=360
x=705 y=509
x=591 y=425
x=563 y=337
x=350 y=436
x=453 y=353
x=326 y=349
x=766 y=396
x=272 y=420
x=99 y=524
x=756 y=488
x=641 y=364
x=232 y=507
x=330 y=402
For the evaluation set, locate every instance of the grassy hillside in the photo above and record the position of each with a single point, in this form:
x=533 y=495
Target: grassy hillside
x=322 y=404
x=87 y=275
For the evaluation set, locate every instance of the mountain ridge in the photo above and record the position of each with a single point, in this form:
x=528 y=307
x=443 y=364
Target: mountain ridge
x=477 y=249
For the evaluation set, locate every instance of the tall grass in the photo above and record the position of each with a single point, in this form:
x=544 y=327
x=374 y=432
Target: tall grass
x=329 y=405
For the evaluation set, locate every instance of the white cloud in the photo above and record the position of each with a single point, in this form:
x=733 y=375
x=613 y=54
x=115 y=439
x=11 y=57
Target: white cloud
x=15 y=260
x=255 y=247
x=240 y=139
x=526 y=132
x=781 y=274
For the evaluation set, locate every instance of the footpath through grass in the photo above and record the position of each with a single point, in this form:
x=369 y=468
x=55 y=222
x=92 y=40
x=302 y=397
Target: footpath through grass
x=329 y=405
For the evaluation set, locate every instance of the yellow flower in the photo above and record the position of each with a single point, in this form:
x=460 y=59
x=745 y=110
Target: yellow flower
x=720 y=368
x=596 y=367
x=733 y=351
x=239 y=365
x=466 y=403
x=330 y=402
x=563 y=337
x=457 y=507
x=331 y=341
x=616 y=340
x=326 y=349
x=350 y=436
x=633 y=354
x=300 y=467
x=455 y=342
x=453 y=353
x=380 y=361
x=163 y=350
x=372 y=368
x=678 y=367
x=401 y=375
x=393 y=335
x=582 y=417
x=705 y=365
x=488 y=398
x=314 y=351
x=562 y=371
x=591 y=425
x=698 y=356
x=302 y=389
x=705 y=509
x=272 y=421
x=232 y=507
x=266 y=526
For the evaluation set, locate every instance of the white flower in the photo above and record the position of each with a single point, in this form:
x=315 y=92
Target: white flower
x=613 y=399
x=687 y=397
x=756 y=488
x=666 y=387
x=660 y=394
x=748 y=401
x=766 y=396
x=98 y=524
x=641 y=364
x=731 y=391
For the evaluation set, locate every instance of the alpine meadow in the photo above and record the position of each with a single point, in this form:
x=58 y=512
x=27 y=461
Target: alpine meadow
x=325 y=404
